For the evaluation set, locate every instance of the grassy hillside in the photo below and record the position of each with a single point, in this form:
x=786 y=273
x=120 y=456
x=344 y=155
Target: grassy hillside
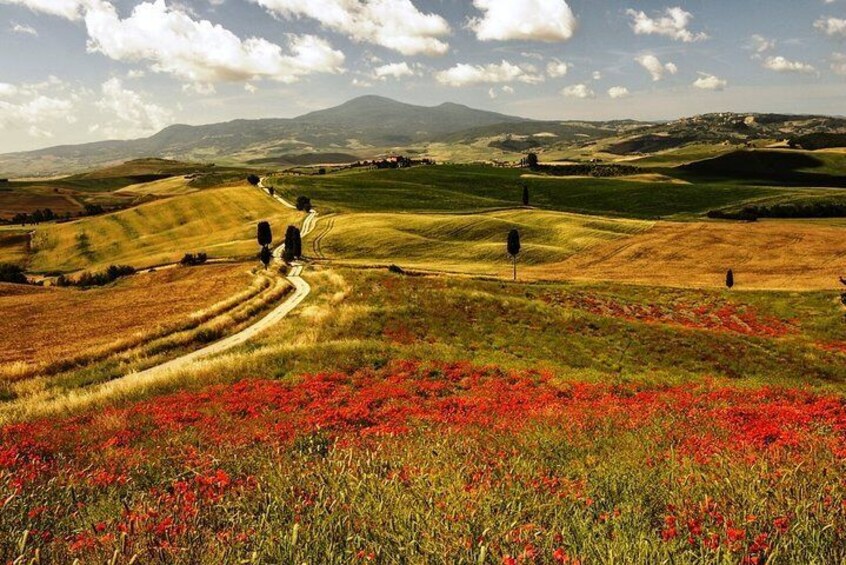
x=456 y=188
x=780 y=168
x=220 y=222
x=472 y=243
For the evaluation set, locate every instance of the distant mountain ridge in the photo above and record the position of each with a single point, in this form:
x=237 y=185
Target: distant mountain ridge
x=371 y=125
x=367 y=122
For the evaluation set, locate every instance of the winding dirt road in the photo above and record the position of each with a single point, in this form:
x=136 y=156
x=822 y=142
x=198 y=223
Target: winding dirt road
x=301 y=291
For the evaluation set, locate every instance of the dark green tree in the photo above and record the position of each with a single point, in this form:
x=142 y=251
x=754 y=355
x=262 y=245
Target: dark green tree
x=293 y=244
x=266 y=256
x=532 y=160
x=304 y=203
x=729 y=279
x=525 y=195
x=253 y=179
x=513 y=248
x=271 y=191
x=264 y=234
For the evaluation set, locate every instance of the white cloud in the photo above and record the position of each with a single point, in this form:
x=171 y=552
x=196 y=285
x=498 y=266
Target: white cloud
x=578 y=91
x=672 y=24
x=34 y=107
x=251 y=88
x=24 y=29
x=134 y=117
x=196 y=51
x=761 y=44
x=393 y=70
x=596 y=75
x=394 y=24
x=656 y=68
x=466 y=75
x=832 y=26
x=199 y=51
x=618 y=92
x=710 y=82
x=838 y=63
x=362 y=83
x=782 y=65
x=556 y=68
x=524 y=20
x=69 y=9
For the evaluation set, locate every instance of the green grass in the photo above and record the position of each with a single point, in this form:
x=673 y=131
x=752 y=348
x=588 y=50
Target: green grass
x=220 y=222
x=456 y=188
x=470 y=243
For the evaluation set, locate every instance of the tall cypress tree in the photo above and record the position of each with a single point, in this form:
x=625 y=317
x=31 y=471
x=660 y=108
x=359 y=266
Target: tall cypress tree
x=513 y=248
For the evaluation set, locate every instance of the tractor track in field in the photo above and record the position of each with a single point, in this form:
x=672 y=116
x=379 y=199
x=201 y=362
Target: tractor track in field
x=316 y=243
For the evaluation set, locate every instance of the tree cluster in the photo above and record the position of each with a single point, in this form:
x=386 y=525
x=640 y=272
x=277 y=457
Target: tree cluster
x=110 y=275
x=821 y=209
x=253 y=179
x=10 y=273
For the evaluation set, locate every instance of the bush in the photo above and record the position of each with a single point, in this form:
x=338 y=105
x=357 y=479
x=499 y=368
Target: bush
x=253 y=180
x=303 y=203
x=10 y=273
x=113 y=273
x=192 y=260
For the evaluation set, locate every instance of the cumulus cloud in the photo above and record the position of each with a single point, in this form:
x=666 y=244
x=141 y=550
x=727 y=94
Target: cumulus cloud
x=24 y=30
x=393 y=70
x=783 y=65
x=577 y=91
x=134 y=117
x=69 y=9
x=618 y=92
x=202 y=52
x=835 y=27
x=35 y=107
x=524 y=20
x=838 y=63
x=710 y=82
x=196 y=51
x=673 y=24
x=556 y=68
x=467 y=75
x=656 y=68
x=394 y=24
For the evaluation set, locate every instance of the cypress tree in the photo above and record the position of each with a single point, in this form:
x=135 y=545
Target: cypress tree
x=729 y=279
x=513 y=248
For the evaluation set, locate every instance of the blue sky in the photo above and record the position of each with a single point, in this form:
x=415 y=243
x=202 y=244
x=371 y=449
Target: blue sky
x=84 y=70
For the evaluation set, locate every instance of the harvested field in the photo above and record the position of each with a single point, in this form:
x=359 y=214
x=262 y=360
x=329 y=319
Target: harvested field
x=765 y=255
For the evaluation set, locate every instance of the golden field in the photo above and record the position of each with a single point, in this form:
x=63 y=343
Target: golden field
x=41 y=324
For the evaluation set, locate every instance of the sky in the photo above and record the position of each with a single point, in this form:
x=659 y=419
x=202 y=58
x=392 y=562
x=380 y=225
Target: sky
x=74 y=71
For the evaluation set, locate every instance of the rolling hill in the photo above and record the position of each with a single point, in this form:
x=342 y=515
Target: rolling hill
x=370 y=126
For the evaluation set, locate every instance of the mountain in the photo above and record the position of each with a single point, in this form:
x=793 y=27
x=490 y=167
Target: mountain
x=369 y=126
x=365 y=125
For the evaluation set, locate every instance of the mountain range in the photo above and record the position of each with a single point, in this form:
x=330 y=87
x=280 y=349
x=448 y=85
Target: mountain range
x=369 y=126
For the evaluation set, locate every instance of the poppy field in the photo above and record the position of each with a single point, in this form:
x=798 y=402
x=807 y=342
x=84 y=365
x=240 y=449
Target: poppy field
x=421 y=462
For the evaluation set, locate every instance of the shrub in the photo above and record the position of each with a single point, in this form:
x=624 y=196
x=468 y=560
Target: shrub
x=191 y=259
x=303 y=203
x=12 y=274
x=253 y=179
x=113 y=273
